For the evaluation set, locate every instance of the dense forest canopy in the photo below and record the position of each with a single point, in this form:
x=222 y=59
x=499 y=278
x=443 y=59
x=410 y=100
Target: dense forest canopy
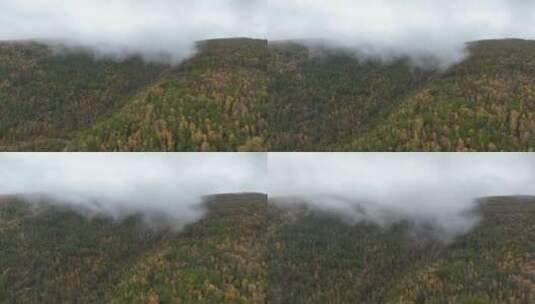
x=254 y=95
x=251 y=250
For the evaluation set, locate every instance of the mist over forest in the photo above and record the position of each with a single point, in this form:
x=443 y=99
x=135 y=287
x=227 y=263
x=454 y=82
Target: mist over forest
x=164 y=227
x=165 y=30
x=429 y=189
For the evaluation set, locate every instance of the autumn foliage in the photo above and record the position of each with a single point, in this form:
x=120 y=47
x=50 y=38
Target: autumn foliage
x=251 y=95
x=248 y=250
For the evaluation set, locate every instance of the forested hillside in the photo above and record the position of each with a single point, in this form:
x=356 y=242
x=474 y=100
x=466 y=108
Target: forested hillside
x=213 y=102
x=47 y=96
x=485 y=103
x=246 y=250
x=319 y=259
x=322 y=99
x=55 y=255
x=251 y=95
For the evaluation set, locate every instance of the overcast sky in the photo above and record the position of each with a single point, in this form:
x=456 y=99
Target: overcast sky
x=170 y=183
x=426 y=187
x=127 y=26
x=379 y=175
x=416 y=27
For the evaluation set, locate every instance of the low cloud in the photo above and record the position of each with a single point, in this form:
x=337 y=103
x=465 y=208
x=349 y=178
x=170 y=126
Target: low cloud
x=421 y=29
x=120 y=185
x=159 y=29
x=435 y=190
x=430 y=190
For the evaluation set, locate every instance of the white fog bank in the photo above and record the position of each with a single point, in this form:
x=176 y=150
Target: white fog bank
x=430 y=188
x=420 y=29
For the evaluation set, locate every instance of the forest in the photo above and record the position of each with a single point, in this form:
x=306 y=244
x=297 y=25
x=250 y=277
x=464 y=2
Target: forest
x=256 y=95
x=248 y=249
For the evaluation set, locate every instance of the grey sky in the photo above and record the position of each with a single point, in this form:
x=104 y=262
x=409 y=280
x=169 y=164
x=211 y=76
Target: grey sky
x=415 y=28
x=426 y=187
x=133 y=183
x=130 y=26
x=422 y=186
x=378 y=174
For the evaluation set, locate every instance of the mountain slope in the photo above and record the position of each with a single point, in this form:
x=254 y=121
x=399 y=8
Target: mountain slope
x=322 y=99
x=46 y=96
x=248 y=251
x=213 y=102
x=317 y=259
x=247 y=95
x=216 y=260
x=485 y=103
x=53 y=254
